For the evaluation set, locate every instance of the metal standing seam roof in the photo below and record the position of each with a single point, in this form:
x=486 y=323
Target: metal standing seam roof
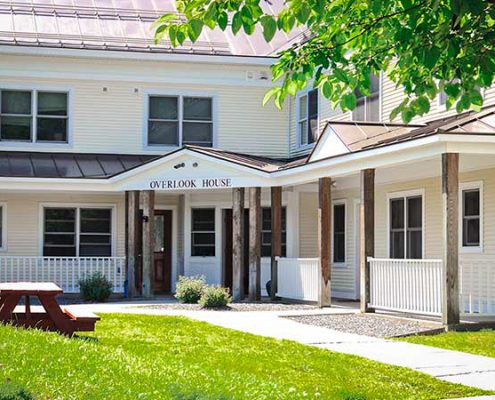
x=124 y=25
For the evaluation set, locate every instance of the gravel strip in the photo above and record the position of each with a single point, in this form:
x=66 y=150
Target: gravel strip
x=367 y=324
x=244 y=306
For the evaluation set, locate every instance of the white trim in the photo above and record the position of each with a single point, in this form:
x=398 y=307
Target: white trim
x=469 y=186
x=344 y=264
x=404 y=195
x=300 y=94
x=41 y=222
x=180 y=94
x=4 y=246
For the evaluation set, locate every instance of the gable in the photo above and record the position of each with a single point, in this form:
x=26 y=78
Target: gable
x=329 y=145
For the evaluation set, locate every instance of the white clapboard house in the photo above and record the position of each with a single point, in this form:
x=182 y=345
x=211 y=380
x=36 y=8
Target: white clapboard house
x=147 y=162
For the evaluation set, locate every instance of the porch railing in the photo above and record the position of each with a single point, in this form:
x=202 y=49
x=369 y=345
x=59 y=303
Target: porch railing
x=64 y=271
x=477 y=286
x=413 y=286
x=298 y=278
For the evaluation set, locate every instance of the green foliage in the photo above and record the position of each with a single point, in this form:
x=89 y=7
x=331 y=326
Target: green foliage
x=190 y=289
x=9 y=391
x=215 y=297
x=422 y=46
x=164 y=357
x=95 y=287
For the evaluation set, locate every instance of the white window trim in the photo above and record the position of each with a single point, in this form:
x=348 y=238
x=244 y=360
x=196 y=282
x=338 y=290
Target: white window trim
x=380 y=102
x=405 y=194
x=34 y=89
x=469 y=186
x=78 y=206
x=217 y=213
x=3 y=247
x=180 y=94
x=300 y=94
x=344 y=264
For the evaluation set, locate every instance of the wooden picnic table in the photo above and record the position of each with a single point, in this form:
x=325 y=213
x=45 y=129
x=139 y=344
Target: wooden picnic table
x=66 y=321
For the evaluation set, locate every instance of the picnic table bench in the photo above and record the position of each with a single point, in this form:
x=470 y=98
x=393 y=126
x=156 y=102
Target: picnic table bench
x=66 y=321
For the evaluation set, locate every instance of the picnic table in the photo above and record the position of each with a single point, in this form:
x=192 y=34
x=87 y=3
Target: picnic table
x=54 y=318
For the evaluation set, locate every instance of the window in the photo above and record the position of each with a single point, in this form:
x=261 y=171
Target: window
x=63 y=238
x=339 y=233
x=308 y=117
x=266 y=232
x=368 y=107
x=34 y=116
x=2 y=227
x=203 y=232
x=471 y=217
x=176 y=120
x=406 y=227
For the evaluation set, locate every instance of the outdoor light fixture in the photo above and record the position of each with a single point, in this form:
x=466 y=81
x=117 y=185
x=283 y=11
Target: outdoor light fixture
x=195 y=165
x=146 y=218
x=181 y=165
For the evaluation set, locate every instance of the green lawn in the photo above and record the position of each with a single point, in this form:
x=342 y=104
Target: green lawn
x=482 y=343
x=150 y=357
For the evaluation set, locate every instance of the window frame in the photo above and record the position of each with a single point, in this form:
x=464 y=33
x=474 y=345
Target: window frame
x=466 y=186
x=284 y=210
x=180 y=115
x=300 y=145
x=3 y=207
x=78 y=207
x=34 y=89
x=341 y=264
x=405 y=195
x=192 y=231
x=380 y=98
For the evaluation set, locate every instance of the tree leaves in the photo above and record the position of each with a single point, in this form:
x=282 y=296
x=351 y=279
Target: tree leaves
x=269 y=27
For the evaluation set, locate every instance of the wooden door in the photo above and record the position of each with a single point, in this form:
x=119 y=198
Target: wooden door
x=162 y=269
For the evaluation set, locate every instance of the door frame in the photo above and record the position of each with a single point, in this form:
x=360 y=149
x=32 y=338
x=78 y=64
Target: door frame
x=175 y=238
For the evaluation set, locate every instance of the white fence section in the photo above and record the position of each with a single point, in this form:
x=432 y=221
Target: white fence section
x=298 y=278
x=477 y=286
x=64 y=271
x=413 y=286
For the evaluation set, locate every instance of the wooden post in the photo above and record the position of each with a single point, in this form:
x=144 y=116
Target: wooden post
x=276 y=228
x=148 y=200
x=254 y=243
x=237 y=243
x=132 y=251
x=450 y=194
x=324 y=224
x=366 y=234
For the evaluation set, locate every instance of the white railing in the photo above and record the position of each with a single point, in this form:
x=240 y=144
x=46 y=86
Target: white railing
x=477 y=286
x=413 y=286
x=298 y=278
x=64 y=271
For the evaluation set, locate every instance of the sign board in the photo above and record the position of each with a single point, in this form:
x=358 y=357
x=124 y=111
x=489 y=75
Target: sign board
x=189 y=183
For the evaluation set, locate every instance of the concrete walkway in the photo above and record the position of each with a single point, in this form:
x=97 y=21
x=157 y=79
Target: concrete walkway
x=452 y=366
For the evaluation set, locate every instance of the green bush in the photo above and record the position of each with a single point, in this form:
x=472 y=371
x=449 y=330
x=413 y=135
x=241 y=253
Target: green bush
x=214 y=297
x=9 y=391
x=190 y=289
x=95 y=287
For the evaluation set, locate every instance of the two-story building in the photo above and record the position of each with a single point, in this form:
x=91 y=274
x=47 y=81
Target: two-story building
x=146 y=162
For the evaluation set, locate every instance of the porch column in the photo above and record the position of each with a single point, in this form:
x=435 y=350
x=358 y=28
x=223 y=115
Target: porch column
x=254 y=243
x=148 y=201
x=450 y=194
x=132 y=240
x=276 y=228
x=237 y=243
x=324 y=224
x=366 y=234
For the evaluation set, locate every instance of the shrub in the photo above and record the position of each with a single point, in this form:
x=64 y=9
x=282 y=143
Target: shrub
x=9 y=391
x=190 y=288
x=95 y=287
x=214 y=297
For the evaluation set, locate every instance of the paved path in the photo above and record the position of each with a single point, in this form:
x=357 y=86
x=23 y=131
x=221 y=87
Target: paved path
x=452 y=366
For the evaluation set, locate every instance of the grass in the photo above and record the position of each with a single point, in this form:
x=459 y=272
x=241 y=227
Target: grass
x=151 y=357
x=481 y=343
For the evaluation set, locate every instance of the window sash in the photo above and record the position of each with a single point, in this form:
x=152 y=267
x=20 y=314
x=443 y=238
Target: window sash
x=203 y=249
x=305 y=116
x=401 y=237
x=339 y=254
x=368 y=106
x=466 y=219
x=266 y=232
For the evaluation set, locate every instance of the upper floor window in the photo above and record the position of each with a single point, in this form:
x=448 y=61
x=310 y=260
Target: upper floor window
x=180 y=120
x=406 y=227
x=308 y=117
x=471 y=206
x=34 y=116
x=368 y=107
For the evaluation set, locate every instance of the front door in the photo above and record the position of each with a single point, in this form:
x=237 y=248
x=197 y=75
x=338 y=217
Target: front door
x=162 y=272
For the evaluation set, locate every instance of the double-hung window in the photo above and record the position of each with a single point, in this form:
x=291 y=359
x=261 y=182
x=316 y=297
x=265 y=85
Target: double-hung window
x=339 y=233
x=34 y=116
x=180 y=120
x=203 y=232
x=368 y=107
x=471 y=205
x=406 y=227
x=266 y=232
x=2 y=227
x=308 y=117
x=77 y=232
